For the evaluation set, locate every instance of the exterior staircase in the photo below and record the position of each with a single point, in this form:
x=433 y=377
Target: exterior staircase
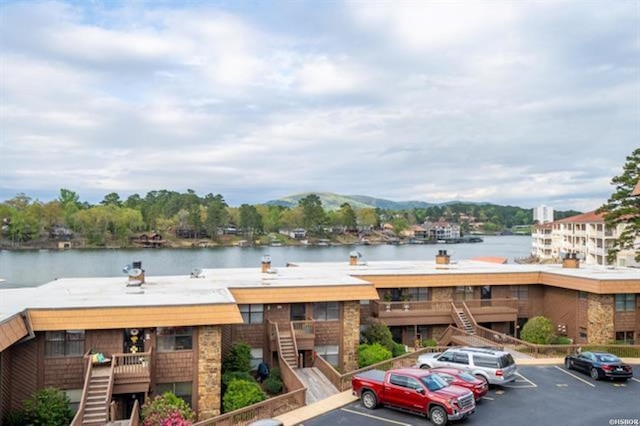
x=288 y=348
x=461 y=320
x=97 y=406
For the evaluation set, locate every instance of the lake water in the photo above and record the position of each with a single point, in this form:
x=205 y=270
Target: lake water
x=34 y=267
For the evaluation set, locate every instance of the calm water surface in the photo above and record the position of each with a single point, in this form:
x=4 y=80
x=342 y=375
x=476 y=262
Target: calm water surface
x=34 y=267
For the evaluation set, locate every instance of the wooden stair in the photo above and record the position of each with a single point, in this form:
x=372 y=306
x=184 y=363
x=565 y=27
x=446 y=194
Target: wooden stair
x=97 y=406
x=460 y=317
x=287 y=347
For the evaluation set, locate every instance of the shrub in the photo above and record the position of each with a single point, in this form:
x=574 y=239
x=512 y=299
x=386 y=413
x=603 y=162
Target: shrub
x=17 y=418
x=273 y=385
x=378 y=332
x=561 y=340
x=371 y=354
x=429 y=343
x=49 y=406
x=236 y=375
x=398 y=349
x=537 y=330
x=167 y=409
x=240 y=394
x=238 y=358
x=276 y=373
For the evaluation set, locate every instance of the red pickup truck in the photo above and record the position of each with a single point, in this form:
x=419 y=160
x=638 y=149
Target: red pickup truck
x=414 y=390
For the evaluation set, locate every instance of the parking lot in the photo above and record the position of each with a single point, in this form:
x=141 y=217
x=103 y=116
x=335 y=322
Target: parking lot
x=542 y=395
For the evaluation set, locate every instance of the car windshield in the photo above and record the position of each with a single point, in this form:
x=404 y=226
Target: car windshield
x=433 y=382
x=607 y=358
x=467 y=377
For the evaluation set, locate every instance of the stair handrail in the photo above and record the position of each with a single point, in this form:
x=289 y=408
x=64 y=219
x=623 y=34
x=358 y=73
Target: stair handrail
x=77 y=419
x=295 y=344
x=456 y=316
x=469 y=315
x=107 y=398
x=134 y=419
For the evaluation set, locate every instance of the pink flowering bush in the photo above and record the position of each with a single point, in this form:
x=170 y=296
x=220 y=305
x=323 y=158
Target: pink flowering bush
x=167 y=410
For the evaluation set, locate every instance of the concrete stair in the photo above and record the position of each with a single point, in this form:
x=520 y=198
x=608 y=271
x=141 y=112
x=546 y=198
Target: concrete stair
x=288 y=349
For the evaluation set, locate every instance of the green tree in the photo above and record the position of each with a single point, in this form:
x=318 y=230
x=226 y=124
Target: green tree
x=250 y=220
x=379 y=332
x=349 y=219
x=216 y=214
x=48 y=407
x=623 y=209
x=313 y=215
x=112 y=199
x=537 y=330
x=368 y=217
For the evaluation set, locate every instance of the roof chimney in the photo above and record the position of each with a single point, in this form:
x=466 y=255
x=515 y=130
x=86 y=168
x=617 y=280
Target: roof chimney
x=266 y=263
x=136 y=274
x=442 y=258
x=353 y=258
x=571 y=261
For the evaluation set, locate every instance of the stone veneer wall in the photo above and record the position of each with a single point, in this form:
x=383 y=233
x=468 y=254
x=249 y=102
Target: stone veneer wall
x=600 y=318
x=350 y=335
x=441 y=293
x=209 y=371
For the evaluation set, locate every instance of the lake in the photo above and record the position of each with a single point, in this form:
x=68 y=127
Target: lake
x=35 y=267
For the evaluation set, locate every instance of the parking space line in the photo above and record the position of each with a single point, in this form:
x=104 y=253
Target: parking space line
x=527 y=380
x=487 y=398
x=375 y=417
x=635 y=380
x=574 y=376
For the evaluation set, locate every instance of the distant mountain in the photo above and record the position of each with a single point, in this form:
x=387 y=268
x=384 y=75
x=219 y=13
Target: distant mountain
x=332 y=201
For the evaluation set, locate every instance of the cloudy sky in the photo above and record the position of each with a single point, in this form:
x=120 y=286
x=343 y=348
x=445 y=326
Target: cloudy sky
x=506 y=102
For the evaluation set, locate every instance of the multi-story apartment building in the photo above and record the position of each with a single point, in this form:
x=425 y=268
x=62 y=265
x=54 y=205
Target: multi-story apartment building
x=171 y=332
x=441 y=230
x=543 y=245
x=543 y=214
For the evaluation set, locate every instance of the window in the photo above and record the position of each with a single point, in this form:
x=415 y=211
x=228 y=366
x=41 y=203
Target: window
x=460 y=358
x=256 y=358
x=583 y=333
x=329 y=353
x=179 y=389
x=485 y=361
x=625 y=302
x=298 y=312
x=397 y=380
x=418 y=293
x=252 y=314
x=463 y=292
x=175 y=339
x=326 y=311
x=624 y=336
x=64 y=343
x=520 y=292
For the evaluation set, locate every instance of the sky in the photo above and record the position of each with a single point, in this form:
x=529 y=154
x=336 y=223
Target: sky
x=514 y=103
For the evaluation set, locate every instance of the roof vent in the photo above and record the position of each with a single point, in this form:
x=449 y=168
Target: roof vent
x=354 y=256
x=196 y=273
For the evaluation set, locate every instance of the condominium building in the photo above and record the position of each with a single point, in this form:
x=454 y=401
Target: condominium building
x=543 y=214
x=172 y=332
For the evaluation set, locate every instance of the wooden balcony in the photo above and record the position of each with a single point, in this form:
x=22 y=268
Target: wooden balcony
x=439 y=312
x=132 y=372
x=305 y=334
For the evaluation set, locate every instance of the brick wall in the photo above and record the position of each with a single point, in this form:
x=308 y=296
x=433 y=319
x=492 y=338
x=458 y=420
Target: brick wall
x=252 y=334
x=106 y=341
x=328 y=333
x=64 y=372
x=23 y=375
x=280 y=313
x=561 y=307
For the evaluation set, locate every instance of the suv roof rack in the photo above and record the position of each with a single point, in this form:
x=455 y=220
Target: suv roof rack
x=481 y=350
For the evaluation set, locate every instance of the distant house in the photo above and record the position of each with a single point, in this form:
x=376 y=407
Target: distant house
x=152 y=240
x=442 y=230
x=415 y=231
x=298 y=233
x=60 y=233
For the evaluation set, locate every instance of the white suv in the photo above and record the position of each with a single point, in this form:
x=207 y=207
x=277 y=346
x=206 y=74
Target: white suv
x=493 y=366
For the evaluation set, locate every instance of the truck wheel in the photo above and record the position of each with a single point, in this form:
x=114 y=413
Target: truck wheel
x=438 y=416
x=369 y=400
x=425 y=366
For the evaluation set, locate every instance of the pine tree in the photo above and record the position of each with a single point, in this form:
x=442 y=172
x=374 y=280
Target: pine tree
x=624 y=208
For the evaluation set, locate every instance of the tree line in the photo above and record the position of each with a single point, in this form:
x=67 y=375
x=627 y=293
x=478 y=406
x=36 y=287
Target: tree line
x=114 y=220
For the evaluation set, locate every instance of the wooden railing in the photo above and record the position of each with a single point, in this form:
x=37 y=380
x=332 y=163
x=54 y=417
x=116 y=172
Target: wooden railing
x=379 y=306
x=328 y=371
x=303 y=327
x=492 y=303
x=133 y=367
x=272 y=407
x=468 y=313
x=77 y=419
x=456 y=316
x=295 y=343
x=134 y=420
x=107 y=400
